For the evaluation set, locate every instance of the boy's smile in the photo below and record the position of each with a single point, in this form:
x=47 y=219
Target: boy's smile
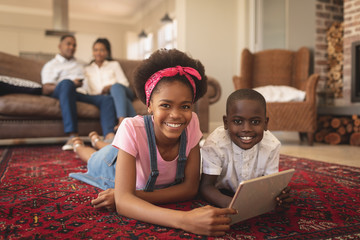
x=245 y=122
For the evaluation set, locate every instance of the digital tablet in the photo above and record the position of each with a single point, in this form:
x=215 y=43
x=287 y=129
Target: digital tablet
x=257 y=196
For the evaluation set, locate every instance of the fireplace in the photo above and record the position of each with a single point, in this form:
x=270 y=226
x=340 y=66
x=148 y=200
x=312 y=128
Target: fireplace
x=355 y=72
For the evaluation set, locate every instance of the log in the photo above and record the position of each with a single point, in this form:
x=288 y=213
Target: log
x=333 y=138
x=320 y=135
x=326 y=124
x=335 y=123
x=356 y=129
x=345 y=121
x=336 y=129
x=349 y=128
x=341 y=130
x=355 y=139
x=335 y=58
x=357 y=122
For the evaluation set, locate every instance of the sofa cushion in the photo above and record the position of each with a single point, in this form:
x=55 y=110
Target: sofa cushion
x=18 y=85
x=22 y=105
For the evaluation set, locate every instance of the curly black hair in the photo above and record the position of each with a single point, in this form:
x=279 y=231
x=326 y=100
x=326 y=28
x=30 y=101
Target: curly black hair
x=166 y=58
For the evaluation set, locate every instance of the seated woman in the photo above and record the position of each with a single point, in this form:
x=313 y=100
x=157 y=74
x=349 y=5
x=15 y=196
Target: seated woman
x=105 y=76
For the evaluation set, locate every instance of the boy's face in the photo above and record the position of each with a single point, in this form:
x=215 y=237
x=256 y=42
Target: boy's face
x=245 y=122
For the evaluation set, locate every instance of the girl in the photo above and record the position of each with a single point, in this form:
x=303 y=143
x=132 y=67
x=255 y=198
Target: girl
x=158 y=159
x=105 y=76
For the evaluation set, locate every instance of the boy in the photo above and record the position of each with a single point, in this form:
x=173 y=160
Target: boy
x=240 y=150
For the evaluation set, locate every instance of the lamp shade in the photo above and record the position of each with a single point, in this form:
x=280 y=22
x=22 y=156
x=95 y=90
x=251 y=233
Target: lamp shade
x=142 y=34
x=166 y=19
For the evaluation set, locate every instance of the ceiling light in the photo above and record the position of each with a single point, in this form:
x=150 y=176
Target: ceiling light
x=166 y=19
x=142 y=34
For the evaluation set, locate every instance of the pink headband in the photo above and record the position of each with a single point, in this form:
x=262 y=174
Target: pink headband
x=170 y=72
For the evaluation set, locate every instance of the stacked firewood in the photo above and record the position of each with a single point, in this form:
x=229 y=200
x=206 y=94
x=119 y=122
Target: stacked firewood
x=335 y=59
x=338 y=130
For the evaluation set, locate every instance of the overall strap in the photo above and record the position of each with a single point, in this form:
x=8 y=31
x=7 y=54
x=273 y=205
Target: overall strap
x=152 y=151
x=180 y=170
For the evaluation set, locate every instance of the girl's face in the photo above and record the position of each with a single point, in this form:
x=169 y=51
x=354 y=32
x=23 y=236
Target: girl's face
x=246 y=123
x=99 y=52
x=171 y=106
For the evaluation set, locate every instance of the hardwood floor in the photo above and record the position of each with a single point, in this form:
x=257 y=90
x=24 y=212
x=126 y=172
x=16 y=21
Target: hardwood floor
x=291 y=145
x=340 y=154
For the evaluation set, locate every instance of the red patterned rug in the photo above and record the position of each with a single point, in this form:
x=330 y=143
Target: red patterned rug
x=39 y=201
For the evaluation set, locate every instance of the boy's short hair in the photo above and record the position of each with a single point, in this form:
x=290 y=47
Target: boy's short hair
x=245 y=94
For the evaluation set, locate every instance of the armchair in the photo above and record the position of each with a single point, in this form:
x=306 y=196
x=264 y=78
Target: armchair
x=283 y=67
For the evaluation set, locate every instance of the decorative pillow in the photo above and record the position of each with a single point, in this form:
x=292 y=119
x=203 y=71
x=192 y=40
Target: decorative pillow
x=273 y=93
x=17 y=85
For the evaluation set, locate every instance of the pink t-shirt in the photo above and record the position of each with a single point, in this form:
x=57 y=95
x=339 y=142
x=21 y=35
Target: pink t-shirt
x=131 y=137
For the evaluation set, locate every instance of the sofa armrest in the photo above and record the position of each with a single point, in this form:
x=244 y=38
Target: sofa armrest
x=213 y=91
x=202 y=106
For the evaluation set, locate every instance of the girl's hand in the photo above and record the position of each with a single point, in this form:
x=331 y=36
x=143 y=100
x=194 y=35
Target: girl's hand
x=105 y=199
x=207 y=220
x=284 y=200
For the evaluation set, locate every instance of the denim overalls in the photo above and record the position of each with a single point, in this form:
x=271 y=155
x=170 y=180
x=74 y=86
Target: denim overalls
x=101 y=167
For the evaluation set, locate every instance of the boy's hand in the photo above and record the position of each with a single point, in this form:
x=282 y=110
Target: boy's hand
x=207 y=220
x=284 y=200
x=105 y=199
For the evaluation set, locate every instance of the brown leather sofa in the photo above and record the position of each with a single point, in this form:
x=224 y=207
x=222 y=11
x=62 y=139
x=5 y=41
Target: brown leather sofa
x=37 y=116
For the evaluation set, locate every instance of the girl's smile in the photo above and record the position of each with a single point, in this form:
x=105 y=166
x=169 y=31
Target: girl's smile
x=173 y=125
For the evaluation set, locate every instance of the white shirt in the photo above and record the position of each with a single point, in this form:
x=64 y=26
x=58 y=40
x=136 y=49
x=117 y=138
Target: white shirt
x=220 y=156
x=109 y=73
x=60 y=68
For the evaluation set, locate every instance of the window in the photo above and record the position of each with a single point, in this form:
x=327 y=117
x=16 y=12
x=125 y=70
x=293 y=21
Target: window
x=146 y=46
x=167 y=35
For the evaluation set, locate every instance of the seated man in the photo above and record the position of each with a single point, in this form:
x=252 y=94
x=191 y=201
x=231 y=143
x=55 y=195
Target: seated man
x=61 y=77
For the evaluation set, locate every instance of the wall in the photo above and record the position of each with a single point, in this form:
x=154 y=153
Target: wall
x=274 y=24
x=301 y=24
x=210 y=32
x=24 y=31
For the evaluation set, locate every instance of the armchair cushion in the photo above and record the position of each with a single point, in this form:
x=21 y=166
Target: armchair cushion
x=273 y=93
